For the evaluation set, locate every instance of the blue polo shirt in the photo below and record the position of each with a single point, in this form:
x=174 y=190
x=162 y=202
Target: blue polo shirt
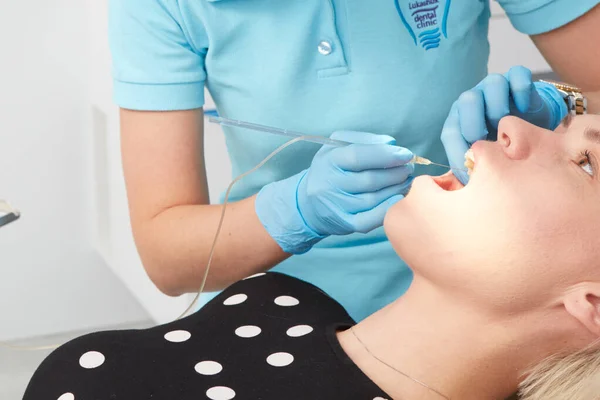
x=390 y=67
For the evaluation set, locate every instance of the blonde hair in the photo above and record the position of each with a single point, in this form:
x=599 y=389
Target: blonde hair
x=565 y=377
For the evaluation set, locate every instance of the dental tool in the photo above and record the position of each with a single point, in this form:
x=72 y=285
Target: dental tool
x=309 y=138
x=8 y=214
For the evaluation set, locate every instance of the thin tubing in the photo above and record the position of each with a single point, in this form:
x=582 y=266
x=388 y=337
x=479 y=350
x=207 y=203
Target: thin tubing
x=212 y=250
x=297 y=138
x=214 y=245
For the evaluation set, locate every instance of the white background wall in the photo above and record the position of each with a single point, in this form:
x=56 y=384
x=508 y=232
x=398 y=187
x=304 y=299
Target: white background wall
x=70 y=263
x=509 y=47
x=51 y=277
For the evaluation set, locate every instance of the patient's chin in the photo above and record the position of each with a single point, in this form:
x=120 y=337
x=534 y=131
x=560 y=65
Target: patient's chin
x=401 y=223
x=393 y=218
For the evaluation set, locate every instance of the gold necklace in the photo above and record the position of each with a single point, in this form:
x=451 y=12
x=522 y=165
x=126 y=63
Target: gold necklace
x=391 y=367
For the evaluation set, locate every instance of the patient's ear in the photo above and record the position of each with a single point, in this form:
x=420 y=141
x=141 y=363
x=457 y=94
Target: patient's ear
x=583 y=304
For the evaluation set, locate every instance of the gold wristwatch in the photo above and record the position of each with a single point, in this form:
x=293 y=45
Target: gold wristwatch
x=576 y=101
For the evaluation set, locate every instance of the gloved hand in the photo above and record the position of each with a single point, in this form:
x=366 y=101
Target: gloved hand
x=346 y=189
x=477 y=112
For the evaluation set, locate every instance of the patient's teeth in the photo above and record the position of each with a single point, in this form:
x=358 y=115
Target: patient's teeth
x=469 y=161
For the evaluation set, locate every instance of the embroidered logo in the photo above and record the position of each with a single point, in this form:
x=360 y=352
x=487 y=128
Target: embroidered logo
x=425 y=20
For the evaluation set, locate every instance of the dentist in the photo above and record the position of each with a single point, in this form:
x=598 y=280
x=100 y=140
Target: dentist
x=379 y=73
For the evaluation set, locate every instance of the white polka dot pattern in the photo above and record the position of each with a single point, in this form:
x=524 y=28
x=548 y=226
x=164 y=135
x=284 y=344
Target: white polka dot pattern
x=220 y=393
x=248 y=331
x=286 y=301
x=235 y=300
x=91 y=359
x=178 y=336
x=208 y=368
x=280 y=359
x=225 y=358
x=300 y=330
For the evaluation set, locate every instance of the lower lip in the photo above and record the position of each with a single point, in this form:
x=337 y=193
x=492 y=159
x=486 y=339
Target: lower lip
x=425 y=180
x=447 y=182
x=429 y=181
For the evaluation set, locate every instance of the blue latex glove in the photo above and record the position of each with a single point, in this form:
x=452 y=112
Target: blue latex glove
x=346 y=189
x=477 y=112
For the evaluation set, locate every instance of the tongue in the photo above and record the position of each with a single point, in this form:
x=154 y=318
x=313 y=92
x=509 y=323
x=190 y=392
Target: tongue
x=448 y=182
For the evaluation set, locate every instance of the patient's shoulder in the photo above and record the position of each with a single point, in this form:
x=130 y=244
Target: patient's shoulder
x=277 y=293
x=231 y=337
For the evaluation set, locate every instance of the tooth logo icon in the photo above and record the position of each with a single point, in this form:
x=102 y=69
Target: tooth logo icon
x=425 y=20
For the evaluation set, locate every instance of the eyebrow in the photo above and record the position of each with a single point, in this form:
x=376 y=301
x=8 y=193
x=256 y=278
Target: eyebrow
x=592 y=134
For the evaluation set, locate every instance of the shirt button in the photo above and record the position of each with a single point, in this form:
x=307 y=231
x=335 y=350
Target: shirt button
x=325 y=48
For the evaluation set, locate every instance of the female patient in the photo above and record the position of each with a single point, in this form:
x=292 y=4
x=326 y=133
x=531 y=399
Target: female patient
x=506 y=293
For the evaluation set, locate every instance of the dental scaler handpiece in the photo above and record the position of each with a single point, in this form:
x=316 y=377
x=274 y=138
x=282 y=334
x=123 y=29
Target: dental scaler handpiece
x=424 y=161
x=307 y=138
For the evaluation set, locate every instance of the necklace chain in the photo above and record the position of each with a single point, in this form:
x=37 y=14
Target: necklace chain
x=400 y=372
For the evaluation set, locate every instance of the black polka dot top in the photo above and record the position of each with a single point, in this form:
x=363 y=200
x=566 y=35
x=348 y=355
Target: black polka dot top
x=268 y=337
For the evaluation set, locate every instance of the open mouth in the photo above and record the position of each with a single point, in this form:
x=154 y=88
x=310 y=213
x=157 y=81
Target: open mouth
x=449 y=182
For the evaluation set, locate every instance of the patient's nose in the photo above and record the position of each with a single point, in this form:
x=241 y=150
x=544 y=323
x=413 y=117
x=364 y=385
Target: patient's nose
x=517 y=137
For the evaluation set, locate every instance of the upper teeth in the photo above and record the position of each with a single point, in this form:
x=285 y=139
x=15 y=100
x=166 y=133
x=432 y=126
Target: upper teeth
x=469 y=160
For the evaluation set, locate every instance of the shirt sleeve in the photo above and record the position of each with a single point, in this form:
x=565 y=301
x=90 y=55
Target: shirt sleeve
x=155 y=64
x=533 y=17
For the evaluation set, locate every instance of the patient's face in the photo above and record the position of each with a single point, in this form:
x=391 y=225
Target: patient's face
x=526 y=226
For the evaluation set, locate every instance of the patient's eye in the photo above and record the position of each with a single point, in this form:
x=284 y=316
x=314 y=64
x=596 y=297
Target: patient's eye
x=586 y=162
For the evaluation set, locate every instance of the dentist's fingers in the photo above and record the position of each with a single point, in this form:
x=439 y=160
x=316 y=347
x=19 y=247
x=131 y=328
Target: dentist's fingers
x=366 y=221
x=375 y=179
x=496 y=95
x=364 y=202
x=471 y=113
x=361 y=157
x=521 y=88
x=455 y=144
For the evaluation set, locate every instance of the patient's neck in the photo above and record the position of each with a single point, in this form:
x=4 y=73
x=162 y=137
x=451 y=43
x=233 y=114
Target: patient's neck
x=447 y=346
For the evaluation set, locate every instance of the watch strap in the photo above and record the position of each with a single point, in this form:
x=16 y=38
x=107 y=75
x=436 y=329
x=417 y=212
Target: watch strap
x=575 y=100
